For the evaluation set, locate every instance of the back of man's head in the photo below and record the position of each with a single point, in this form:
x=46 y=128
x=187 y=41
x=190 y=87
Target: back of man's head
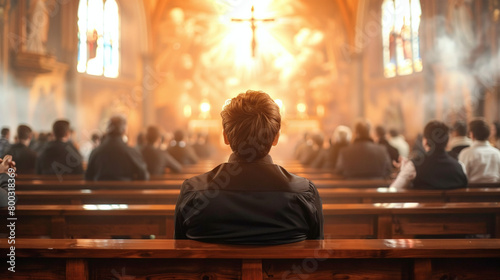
x=61 y=129
x=460 y=128
x=362 y=129
x=117 y=126
x=23 y=132
x=480 y=129
x=393 y=132
x=152 y=134
x=380 y=131
x=437 y=134
x=179 y=135
x=95 y=137
x=5 y=132
x=251 y=122
x=342 y=133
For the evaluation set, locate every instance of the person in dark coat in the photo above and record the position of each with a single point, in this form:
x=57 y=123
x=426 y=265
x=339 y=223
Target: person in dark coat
x=24 y=157
x=435 y=169
x=364 y=158
x=249 y=199
x=156 y=159
x=4 y=141
x=114 y=159
x=382 y=140
x=181 y=150
x=59 y=156
x=459 y=139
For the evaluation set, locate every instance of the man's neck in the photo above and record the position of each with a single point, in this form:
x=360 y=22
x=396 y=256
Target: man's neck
x=25 y=142
x=64 y=139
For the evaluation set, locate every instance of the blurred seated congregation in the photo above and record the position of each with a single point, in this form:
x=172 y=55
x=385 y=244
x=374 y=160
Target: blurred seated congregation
x=296 y=123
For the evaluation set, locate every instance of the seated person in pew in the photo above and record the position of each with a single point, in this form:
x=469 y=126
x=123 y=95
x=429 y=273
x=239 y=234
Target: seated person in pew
x=481 y=160
x=24 y=157
x=249 y=199
x=459 y=139
x=6 y=168
x=181 y=150
x=114 y=159
x=156 y=159
x=435 y=169
x=364 y=158
x=59 y=156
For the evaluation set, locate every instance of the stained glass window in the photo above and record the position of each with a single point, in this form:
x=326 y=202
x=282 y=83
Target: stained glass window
x=98 y=35
x=400 y=36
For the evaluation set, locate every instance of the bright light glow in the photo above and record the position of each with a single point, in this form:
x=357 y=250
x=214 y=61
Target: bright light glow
x=237 y=42
x=279 y=103
x=226 y=103
x=320 y=110
x=104 y=206
x=187 y=111
x=205 y=107
x=98 y=32
x=301 y=108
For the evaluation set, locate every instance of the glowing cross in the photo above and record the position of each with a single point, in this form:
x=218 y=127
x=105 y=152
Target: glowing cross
x=252 y=21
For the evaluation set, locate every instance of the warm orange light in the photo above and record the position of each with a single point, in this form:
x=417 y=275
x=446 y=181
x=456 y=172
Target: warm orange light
x=320 y=110
x=205 y=107
x=301 y=108
x=279 y=103
x=187 y=111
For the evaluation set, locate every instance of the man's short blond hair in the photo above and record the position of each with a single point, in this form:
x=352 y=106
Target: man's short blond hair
x=251 y=122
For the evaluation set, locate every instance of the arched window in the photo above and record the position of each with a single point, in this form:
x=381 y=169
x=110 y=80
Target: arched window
x=401 y=44
x=98 y=34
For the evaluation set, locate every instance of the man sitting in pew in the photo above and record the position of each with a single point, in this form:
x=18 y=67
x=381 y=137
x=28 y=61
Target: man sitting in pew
x=24 y=157
x=435 y=169
x=5 y=164
x=364 y=158
x=156 y=159
x=114 y=159
x=59 y=156
x=249 y=199
x=481 y=160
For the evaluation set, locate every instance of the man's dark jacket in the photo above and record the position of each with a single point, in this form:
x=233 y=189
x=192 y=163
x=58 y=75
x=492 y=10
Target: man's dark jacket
x=438 y=170
x=157 y=160
x=364 y=159
x=114 y=160
x=24 y=157
x=243 y=202
x=59 y=158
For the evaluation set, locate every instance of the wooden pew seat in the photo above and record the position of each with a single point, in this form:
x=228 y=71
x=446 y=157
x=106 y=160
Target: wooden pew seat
x=387 y=259
x=379 y=220
x=168 y=184
x=328 y=196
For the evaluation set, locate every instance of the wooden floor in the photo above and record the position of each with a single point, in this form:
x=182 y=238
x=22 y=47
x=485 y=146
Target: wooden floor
x=379 y=259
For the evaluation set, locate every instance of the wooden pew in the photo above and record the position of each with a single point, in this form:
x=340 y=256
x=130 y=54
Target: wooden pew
x=380 y=220
x=387 y=259
x=168 y=176
x=328 y=196
x=170 y=184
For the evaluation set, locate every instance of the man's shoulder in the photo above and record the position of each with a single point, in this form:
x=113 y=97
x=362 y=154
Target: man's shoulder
x=241 y=177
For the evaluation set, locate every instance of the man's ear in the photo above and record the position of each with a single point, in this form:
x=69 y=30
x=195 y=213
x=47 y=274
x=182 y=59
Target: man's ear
x=276 y=139
x=425 y=144
x=225 y=138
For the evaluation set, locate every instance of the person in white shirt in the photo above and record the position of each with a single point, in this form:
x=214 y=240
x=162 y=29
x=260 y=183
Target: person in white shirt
x=398 y=141
x=481 y=160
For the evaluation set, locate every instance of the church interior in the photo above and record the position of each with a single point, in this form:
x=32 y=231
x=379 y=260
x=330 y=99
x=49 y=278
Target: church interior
x=165 y=69
x=174 y=63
